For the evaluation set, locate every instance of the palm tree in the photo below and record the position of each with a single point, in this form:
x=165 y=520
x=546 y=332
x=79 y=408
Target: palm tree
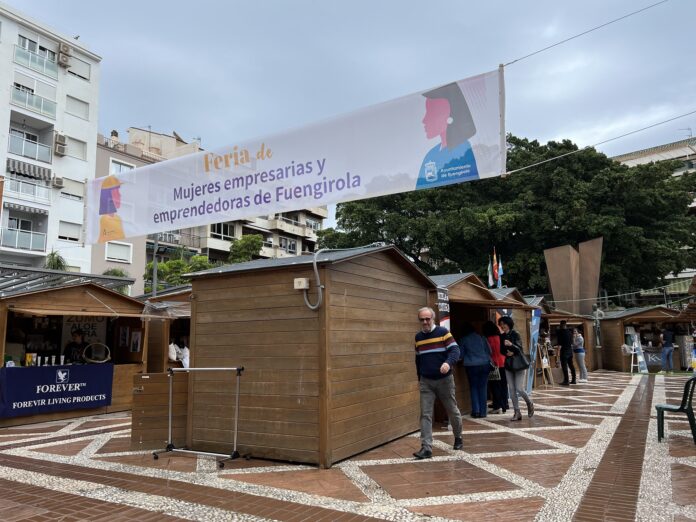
x=55 y=261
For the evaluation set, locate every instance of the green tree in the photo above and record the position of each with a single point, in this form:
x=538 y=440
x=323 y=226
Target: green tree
x=55 y=261
x=245 y=248
x=642 y=213
x=198 y=264
x=117 y=272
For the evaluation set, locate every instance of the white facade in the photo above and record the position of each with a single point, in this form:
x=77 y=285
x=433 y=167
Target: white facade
x=49 y=89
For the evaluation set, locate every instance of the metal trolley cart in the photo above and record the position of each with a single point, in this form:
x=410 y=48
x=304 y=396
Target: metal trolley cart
x=170 y=444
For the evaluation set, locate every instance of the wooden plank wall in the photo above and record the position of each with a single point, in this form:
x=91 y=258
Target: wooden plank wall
x=150 y=421
x=122 y=389
x=374 y=398
x=612 y=339
x=256 y=320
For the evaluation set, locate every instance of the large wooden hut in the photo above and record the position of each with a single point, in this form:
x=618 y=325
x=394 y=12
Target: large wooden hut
x=326 y=376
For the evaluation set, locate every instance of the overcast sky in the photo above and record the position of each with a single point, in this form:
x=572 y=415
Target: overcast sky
x=227 y=71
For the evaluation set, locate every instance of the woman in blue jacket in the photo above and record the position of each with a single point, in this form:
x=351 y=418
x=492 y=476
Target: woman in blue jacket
x=476 y=357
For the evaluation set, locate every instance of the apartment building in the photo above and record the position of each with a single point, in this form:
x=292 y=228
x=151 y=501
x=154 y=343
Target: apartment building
x=127 y=255
x=48 y=128
x=284 y=235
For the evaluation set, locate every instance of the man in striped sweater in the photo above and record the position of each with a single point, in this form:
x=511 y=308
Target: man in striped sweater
x=436 y=354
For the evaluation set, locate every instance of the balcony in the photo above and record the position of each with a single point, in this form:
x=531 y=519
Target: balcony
x=287 y=225
x=322 y=212
x=36 y=62
x=22 y=239
x=177 y=238
x=28 y=191
x=33 y=102
x=30 y=149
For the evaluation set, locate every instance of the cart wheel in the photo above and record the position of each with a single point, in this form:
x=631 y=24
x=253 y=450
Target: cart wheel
x=221 y=464
x=155 y=456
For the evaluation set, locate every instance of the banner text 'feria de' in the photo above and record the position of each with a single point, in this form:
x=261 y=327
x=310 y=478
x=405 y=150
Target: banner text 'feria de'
x=449 y=134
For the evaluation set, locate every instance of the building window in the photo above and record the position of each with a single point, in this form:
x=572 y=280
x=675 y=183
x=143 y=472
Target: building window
x=222 y=231
x=77 y=107
x=69 y=231
x=79 y=68
x=77 y=149
x=288 y=244
x=19 y=224
x=119 y=252
x=72 y=189
x=25 y=135
x=34 y=47
x=118 y=167
x=313 y=224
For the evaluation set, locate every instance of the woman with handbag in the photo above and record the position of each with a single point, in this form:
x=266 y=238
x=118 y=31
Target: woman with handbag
x=498 y=387
x=476 y=358
x=516 y=364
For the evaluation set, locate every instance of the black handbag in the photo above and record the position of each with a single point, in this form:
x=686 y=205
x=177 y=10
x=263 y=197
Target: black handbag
x=517 y=362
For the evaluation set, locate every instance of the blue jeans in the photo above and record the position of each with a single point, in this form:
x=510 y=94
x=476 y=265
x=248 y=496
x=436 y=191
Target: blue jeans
x=667 y=358
x=478 y=385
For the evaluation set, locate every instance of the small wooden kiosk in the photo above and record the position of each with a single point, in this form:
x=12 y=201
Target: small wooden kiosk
x=321 y=384
x=39 y=321
x=552 y=321
x=646 y=321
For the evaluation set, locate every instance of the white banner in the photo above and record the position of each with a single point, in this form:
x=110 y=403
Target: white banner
x=450 y=134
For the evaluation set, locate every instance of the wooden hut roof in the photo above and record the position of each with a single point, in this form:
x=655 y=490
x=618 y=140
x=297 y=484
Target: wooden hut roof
x=511 y=297
x=16 y=280
x=654 y=313
x=81 y=299
x=466 y=287
x=323 y=258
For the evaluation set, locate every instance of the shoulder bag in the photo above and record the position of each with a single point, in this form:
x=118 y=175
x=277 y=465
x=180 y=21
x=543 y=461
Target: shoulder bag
x=517 y=362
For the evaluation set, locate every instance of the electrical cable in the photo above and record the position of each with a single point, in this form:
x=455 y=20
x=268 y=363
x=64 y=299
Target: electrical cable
x=599 y=143
x=585 y=32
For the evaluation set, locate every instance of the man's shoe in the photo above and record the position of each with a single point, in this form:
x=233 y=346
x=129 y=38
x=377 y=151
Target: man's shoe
x=458 y=444
x=423 y=454
x=573 y=382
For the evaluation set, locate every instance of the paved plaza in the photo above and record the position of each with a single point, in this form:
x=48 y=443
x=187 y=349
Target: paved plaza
x=589 y=453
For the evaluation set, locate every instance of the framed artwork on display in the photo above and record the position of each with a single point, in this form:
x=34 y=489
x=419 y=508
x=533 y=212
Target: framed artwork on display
x=135 y=340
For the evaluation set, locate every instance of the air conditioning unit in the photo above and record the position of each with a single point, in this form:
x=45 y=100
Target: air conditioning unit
x=64 y=49
x=61 y=139
x=63 y=60
x=58 y=182
x=60 y=150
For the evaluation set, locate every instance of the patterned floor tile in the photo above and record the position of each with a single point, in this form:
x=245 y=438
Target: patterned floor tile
x=430 y=479
x=324 y=482
x=517 y=510
x=546 y=470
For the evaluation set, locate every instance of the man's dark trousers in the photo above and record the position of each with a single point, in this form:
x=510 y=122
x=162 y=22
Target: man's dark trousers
x=567 y=362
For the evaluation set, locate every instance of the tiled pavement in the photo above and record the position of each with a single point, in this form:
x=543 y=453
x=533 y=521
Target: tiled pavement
x=590 y=453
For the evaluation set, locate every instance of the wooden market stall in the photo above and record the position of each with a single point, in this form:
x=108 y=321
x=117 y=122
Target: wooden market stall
x=646 y=321
x=35 y=326
x=550 y=323
x=326 y=377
